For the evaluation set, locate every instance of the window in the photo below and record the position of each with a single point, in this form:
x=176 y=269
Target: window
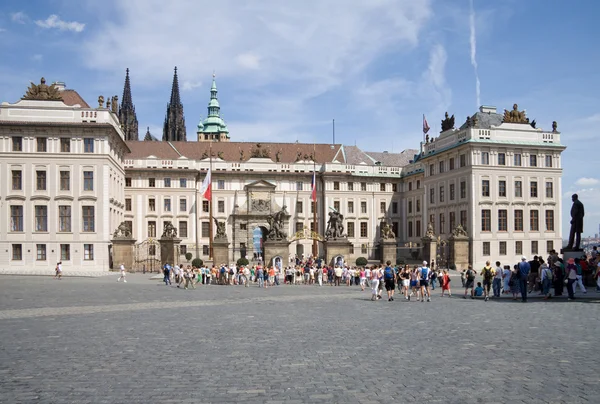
x=431 y=195
x=463 y=219
x=350 y=186
x=350 y=207
x=363 y=186
x=64 y=218
x=452 y=220
x=518 y=189
x=549 y=220
x=410 y=186
x=183 y=183
x=418 y=228
x=382 y=187
x=409 y=206
x=502 y=220
x=533 y=189
x=432 y=220
x=532 y=160
x=88 y=145
x=65 y=180
x=442 y=193
x=486 y=220
x=517 y=160
x=221 y=206
x=205 y=250
x=463 y=160
x=205 y=206
x=502 y=247
x=548 y=161
x=534 y=220
x=167 y=183
x=88 y=252
x=129 y=225
x=418 y=184
x=17 y=143
x=549 y=246
x=485 y=158
x=394 y=207
x=418 y=205
x=336 y=185
x=363 y=229
x=221 y=184
x=16 y=218
x=205 y=229
x=312 y=226
x=65 y=145
x=127 y=182
x=501 y=159
x=463 y=189
x=183 y=229
x=41 y=218
x=167 y=204
x=243 y=226
x=518 y=220
x=42 y=143
x=502 y=188
x=17 y=252
x=451 y=163
x=299 y=226
x=152 y=229
x=151 y=182
x=17 y=180
x=395 y=227
x=410 y=229
x=88 y=218
x=128 y=204
x=299 y=207
x=65 y=252
x=549 y=189
x=442 y=223
x=382 y=208
x=40 y=252
x=183 y=249
x=40 y=183
x=182 y=205
x=336 y=205
x=452 y=192
x=431 y=169
x=485 y=187
x=441 y=167
x=518 y=248
x=152 y=205
x=534 y=247
x=88 y=180
x=363 y=207
x=486 y=248
x=350 y=229
x=394 y=187
x=299 y=185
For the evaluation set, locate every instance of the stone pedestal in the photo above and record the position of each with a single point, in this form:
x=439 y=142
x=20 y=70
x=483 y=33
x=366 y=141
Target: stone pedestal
x=221 y=252
x=123 y=253
x=459 y=252
x=340 y=246
x=571 y=253
x=169 y=251
x=429 y=249
x=387 y=251
x=277 y=248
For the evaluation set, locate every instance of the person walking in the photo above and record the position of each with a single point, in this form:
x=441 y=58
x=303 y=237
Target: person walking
x=167 y=274
x=470 y=282
x=390 y=281
x=414 y=283
x=579 y=281
x=497 y=281
x=260 y=275
x=546 y=277
x=363 y=278
x=488 y=274
x=559 y=277
x=446 y=283
x=425 y=273
x=405 y=279
x=514 y=283
x=58 y=274
x=571 y=278
x=122 y=269
x=524 y=270
x=374 y=283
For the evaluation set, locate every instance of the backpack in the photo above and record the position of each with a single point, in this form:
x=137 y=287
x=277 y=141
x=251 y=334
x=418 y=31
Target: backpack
x=549 y=274
x=388 y=274
x=471 y=275
x=424 y=273
x=433 y=275
x=487 y=273
x=579 y=270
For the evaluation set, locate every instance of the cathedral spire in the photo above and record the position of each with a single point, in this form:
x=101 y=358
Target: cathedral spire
x=174 y=127
x=127 y=115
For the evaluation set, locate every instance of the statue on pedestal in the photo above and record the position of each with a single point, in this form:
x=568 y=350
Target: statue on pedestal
x=387 y=233
x=276 y=224
x=577 y=214
x=123 y=231
x=429 y=233
x=220 y=226
x=170 y=231
x=459 y=231
x=335 y=226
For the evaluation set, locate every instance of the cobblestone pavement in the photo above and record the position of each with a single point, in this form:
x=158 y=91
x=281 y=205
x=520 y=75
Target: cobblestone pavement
x=93 y=340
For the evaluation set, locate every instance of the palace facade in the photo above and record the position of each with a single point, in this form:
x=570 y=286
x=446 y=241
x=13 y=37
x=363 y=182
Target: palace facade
x=72 y=173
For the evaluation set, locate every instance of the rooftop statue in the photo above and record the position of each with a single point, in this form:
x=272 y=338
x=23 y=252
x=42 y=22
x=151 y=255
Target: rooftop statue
x=515 y=116
x=447 y=123
x=42 y=92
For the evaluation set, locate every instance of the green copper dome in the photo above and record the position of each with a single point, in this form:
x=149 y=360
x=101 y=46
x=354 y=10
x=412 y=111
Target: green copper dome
x=213 y=122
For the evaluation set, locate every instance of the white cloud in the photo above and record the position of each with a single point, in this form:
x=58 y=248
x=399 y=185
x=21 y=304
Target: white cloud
x=2 y=30
x=191 y=85
x=593 y=118
x=19 y=17
x=248 y=60
x=586 y=182
x=54 y=21
x=473 y=43
x=37 y=57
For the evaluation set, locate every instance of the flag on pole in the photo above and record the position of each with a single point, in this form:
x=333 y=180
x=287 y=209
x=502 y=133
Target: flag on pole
x=206 y=188
x=313 y=195
x=425 y=125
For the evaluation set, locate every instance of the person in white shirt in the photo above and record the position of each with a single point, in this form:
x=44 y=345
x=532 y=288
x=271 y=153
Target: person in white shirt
x=122 y=268
x=497 y=282
x=58 y=274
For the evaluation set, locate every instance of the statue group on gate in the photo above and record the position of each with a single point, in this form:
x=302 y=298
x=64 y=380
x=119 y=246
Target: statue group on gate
x=335 y=226
x=276 y=225
x=459 y=231
x=170 y=231
x=220 y=226
x=387 y=233
x=123 y=231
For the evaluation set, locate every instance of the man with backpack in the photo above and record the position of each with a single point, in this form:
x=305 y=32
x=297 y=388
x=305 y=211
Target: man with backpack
x=470 y=282
x=547 y=277
x=425 y=276
x=524 y=270
x=488 y=274
x=389 y=278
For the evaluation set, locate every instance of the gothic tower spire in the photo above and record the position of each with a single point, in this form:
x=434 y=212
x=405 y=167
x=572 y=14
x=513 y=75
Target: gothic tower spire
x=127 y=115
x=174 y=127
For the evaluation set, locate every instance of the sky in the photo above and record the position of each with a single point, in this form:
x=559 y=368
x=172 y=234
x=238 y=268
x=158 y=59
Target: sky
x=286 y=69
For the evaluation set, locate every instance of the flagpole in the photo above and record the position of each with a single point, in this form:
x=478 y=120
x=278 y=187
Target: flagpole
x=314 y=202
x=210 y=208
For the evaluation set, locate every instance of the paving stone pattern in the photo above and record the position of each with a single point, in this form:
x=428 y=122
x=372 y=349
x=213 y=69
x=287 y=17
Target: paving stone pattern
x=83 y=340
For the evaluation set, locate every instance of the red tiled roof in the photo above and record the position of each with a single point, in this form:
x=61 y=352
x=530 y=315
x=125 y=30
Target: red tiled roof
x=72 y=97
x=143 y=149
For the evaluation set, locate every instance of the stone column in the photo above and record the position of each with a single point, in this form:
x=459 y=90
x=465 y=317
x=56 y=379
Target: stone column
x=169 y=250
x=459 y=252
x=123 y=253
x=275 y=248
x=429 y=249
x=220 y=251
x=387 y=250
x=340 y=246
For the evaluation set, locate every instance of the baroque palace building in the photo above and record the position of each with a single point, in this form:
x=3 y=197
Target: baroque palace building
x=72 y=173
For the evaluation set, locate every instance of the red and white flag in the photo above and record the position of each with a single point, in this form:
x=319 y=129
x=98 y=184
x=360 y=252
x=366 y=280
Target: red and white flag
x=313 y=195
x=425 y=125
x=206 y=188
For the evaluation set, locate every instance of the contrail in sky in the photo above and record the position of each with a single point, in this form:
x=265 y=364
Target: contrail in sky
x=474 y=52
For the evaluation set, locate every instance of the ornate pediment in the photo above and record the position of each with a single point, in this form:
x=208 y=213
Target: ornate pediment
x=260 y=185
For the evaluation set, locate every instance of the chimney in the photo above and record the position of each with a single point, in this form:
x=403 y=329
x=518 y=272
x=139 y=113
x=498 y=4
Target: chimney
x=60 y=85
x=487 y=109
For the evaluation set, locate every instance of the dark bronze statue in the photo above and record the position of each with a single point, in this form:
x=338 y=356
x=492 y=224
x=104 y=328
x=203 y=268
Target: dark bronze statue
x=577 y=214
x=447 y=123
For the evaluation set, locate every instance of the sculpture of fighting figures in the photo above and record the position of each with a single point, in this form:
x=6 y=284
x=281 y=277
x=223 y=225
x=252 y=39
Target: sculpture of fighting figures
x=429 y=233
x=220 y=229
x=123 y=231
x=386 y=232
x=276 y=225
x=459 y=231
x=335 y=226
x=170 y=231
x=447 y=123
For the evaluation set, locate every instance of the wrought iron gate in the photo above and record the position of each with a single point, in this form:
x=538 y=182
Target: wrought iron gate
x=147 y=256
